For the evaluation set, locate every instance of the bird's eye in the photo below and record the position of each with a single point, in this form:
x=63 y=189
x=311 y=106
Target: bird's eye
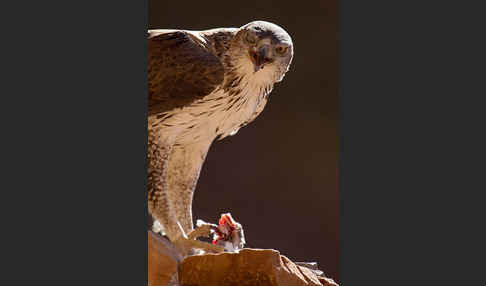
x=281 y=50
x=251 y=39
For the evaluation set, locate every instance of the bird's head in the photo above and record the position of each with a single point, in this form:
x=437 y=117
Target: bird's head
x=263 y=50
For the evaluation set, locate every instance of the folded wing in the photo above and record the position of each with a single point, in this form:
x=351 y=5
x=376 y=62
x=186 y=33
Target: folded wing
x=180 y=70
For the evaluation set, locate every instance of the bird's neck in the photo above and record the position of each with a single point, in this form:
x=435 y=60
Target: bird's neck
x=240 y=75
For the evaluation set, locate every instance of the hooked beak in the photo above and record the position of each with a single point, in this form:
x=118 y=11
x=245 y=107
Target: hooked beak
x=259 y=57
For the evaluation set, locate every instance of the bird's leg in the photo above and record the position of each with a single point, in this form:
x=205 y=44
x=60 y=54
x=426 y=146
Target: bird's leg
x=158 y=200
x=183 y=173
x=172 y=212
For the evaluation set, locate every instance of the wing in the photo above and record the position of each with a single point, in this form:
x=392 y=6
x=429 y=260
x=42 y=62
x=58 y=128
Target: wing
x=180 y=69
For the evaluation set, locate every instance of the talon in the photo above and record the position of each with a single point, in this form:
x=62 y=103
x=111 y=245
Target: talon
x=203 y=229
x=200 y=231
x=187 y=245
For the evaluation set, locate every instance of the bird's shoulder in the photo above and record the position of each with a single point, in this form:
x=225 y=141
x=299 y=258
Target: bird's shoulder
x=219 y=40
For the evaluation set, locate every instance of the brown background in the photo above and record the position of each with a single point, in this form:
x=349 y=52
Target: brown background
x=278 y=175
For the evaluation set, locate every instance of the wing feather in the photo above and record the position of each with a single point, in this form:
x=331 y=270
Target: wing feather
x=180 y=70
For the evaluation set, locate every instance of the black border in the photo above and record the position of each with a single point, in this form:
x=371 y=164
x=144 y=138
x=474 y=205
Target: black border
x=409 y=140
x=75 y=160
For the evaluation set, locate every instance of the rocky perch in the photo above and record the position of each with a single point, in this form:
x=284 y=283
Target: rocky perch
x=248 y=267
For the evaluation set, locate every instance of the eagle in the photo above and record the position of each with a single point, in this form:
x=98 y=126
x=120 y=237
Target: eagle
x=202 y=86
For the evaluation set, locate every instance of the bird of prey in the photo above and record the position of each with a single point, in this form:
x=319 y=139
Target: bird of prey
x=202 y=86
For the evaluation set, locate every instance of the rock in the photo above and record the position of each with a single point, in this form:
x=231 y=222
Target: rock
x=327 y=281
x=162 y=260
x=248 y=267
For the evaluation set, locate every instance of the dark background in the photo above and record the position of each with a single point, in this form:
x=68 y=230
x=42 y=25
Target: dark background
x=278 y=175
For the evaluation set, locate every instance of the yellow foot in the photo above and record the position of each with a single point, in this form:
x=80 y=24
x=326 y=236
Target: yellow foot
x=186 y=246
x=202 y=229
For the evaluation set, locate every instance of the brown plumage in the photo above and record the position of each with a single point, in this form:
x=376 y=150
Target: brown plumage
x=202 y=85
x=179 y=70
